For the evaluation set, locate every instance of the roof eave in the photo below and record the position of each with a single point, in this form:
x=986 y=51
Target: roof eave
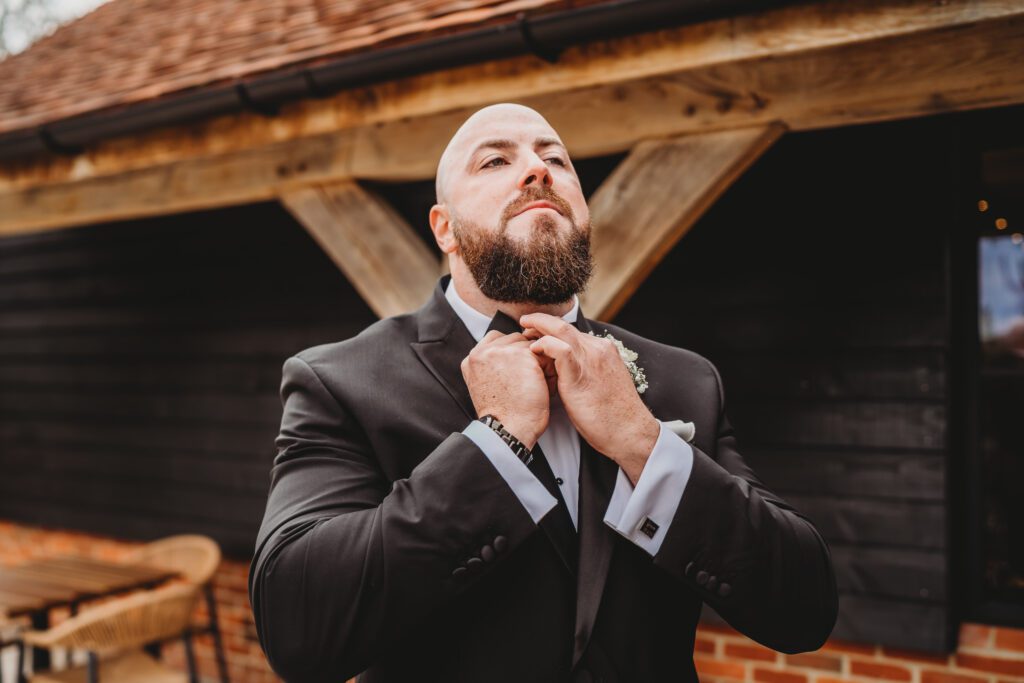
x=545 y=35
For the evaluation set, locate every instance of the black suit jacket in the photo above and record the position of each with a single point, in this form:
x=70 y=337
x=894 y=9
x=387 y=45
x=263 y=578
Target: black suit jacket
x=377 y=499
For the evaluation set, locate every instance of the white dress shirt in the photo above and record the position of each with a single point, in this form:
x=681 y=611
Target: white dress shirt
x=641 y=514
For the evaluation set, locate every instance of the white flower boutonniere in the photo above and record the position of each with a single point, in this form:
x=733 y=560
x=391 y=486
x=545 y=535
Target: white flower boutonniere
x=628 y=357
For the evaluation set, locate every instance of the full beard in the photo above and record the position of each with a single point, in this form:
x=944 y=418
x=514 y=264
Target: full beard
x=545 y=269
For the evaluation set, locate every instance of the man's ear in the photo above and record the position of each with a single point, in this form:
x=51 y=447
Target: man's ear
x=441 y=226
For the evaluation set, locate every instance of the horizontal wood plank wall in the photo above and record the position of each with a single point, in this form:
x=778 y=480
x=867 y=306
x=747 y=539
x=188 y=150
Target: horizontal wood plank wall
x=816 y=286
x=140 y=364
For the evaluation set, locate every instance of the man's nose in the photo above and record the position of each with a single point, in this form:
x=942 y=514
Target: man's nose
x=536 y=172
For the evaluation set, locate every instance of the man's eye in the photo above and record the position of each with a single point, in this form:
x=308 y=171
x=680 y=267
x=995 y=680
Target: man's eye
x=490 y=162
x=557 y=160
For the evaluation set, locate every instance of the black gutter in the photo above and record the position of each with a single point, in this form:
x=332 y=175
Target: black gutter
x=545 y=35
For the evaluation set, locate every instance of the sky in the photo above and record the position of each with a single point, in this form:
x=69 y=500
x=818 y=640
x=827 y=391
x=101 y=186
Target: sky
x=18 y=37
x=1001 y=275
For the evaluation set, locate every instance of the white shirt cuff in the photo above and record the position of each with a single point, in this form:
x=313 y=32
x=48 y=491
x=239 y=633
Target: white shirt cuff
x=643 y=514
x=528 y=489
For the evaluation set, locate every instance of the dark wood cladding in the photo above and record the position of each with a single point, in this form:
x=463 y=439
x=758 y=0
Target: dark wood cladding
x=140 y=364
x=817 y=287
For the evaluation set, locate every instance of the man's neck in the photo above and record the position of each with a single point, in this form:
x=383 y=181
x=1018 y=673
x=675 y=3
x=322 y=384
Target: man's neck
x=470 y=292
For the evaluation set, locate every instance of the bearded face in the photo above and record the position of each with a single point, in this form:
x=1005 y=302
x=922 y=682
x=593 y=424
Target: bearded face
x=547 y=267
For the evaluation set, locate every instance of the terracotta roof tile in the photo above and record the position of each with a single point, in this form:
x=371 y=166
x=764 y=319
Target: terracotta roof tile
x=129 y=51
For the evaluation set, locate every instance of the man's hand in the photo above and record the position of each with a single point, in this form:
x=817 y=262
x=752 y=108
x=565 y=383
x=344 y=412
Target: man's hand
x=597 y=391
x=506 y=380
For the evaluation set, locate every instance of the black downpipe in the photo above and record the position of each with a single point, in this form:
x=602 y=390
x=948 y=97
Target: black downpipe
x=545 y=36
x=267 y=109
x=548 y=54
x=56 y=147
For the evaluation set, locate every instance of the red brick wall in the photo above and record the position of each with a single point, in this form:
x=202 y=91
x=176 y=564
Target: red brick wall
x=985 y=655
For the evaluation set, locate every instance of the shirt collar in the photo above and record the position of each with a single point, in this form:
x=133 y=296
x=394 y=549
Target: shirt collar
x=477 y=323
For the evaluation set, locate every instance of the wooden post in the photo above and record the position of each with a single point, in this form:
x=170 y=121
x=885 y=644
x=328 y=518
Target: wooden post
x=653 y=198
x=387 y=263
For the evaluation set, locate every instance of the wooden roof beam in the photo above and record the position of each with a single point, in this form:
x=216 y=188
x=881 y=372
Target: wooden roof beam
x=778 y=33
x=653 y=198
x=386 y=262
x=917 y=58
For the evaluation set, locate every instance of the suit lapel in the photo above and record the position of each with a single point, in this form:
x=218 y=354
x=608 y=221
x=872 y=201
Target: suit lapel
x=442 y=344
x=597 y=481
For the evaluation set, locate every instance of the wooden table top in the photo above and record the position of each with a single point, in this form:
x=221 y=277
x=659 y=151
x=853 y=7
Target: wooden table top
x=61 y=581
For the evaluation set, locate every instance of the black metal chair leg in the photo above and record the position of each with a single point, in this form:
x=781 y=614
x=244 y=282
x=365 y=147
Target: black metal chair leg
x=218 y=645
x=190 y=657
x=94 y=668
x=20 y=673
x=40 y=655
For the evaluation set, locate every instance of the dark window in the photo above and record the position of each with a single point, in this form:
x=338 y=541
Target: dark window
x=995 y=498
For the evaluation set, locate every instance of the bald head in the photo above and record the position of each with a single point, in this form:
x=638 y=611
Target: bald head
x=484 y=122
x=510 y=211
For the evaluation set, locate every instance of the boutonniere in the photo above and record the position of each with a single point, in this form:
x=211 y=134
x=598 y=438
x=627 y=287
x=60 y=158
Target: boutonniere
x=628 y=357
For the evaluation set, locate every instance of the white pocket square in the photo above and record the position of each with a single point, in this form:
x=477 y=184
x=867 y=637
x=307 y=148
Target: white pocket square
x=685 y=430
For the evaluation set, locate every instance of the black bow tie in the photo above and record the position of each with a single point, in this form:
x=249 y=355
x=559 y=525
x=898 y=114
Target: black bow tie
x=507 y=325
x=504 y=323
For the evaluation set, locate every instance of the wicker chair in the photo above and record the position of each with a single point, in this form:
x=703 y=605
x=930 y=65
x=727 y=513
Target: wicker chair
x=196 y=558
x=114 y=633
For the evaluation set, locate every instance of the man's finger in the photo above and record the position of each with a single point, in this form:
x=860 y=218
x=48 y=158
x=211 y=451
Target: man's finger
x=551 y=326
x=556 y=349
x=547 y=365
x=496 y=338
x=513 y=338
x=490 y=336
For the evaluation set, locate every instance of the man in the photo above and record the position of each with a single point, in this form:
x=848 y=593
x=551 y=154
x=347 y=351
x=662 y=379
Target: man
x=571 y=534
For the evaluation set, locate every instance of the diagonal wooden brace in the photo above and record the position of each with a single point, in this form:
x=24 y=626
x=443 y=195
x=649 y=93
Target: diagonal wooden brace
x=653 y=198
x=387 y=263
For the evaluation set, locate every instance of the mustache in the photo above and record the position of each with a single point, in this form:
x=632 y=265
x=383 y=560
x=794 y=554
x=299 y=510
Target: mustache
x=537 y=193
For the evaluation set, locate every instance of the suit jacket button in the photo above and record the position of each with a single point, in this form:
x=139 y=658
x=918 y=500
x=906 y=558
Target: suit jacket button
x=500 y=543
x=459 y=573
x=702 y=577
x=712 y=584
x=474 y=564
x=487 y=553
x=724 y=589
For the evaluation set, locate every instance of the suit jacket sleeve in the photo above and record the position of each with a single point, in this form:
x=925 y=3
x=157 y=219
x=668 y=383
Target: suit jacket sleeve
x=758 y=562
x=348 y=562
